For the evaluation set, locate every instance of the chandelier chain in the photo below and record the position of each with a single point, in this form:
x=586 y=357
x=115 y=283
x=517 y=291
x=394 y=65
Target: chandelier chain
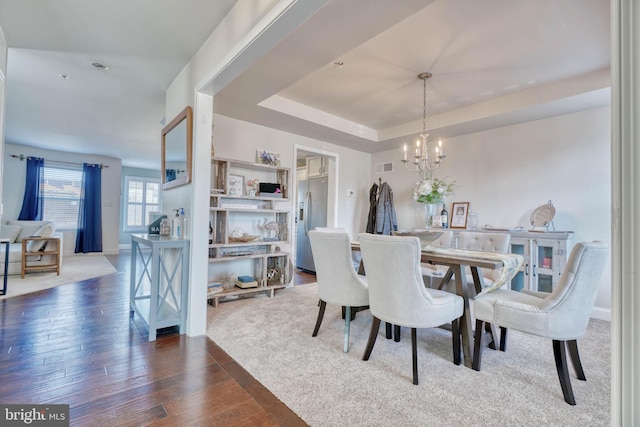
x=424 y=105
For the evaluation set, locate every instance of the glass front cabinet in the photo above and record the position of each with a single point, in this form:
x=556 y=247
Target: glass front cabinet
x=545 y=255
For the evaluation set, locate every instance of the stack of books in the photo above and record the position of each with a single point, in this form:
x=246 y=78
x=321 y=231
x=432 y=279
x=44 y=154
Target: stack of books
x=246 y=282
x=214 y=288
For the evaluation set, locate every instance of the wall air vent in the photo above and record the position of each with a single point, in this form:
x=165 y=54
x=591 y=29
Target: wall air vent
x=384 y=167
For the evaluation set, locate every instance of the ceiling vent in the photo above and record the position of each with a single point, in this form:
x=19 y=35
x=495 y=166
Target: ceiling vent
x=384 y=167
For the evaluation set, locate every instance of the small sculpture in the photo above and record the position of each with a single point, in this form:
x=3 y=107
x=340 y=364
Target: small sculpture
x=269 y=229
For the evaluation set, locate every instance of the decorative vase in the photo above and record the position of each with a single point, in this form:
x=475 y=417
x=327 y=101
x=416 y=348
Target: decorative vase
x=431 y=210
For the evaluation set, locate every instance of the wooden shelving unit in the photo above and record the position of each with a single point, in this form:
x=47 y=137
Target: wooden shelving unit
x=266 y=258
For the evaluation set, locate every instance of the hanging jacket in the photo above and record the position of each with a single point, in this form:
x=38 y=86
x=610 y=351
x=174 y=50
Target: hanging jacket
x=373 y=203
x=386 y=221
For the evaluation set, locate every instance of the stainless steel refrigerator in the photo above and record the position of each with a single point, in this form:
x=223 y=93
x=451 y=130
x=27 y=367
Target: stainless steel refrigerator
x=311 y=213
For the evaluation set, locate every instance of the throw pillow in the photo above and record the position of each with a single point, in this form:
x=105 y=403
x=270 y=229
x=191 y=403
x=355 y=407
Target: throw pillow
x=27 y=231
x=10 y=232
x=46 y=230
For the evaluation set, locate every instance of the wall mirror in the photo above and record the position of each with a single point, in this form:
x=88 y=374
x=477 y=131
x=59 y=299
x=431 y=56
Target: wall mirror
x=177 y=146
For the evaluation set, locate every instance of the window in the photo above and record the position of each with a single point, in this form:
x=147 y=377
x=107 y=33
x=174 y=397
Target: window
x=142 y=197
x=61 y=190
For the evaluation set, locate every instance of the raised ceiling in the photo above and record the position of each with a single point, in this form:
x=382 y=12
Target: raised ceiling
x=346 y=75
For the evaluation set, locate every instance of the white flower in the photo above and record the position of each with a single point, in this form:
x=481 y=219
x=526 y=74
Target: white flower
x=432 y=191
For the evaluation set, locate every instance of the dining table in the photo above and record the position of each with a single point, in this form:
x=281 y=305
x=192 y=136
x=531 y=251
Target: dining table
x=457 y=261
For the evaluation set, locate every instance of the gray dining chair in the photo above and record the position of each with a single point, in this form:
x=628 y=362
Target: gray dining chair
x=562 y=315
x=397 y=294
x=338 y=282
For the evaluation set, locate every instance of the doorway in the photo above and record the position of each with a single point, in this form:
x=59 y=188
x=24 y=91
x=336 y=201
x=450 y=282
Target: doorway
x=314 y=204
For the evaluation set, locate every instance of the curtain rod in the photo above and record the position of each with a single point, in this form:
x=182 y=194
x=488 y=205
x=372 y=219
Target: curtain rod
x=23 y=157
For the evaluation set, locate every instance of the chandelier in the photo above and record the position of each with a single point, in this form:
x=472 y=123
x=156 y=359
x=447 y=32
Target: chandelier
x=422 y=162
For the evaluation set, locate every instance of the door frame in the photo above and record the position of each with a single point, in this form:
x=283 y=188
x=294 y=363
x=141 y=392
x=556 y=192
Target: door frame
x=332 y=190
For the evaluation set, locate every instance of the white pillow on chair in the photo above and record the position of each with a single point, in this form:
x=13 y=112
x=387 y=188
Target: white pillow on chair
x=46 y=230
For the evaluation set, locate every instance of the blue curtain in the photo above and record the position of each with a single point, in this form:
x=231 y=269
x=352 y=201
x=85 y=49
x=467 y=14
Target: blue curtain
x=32 y=201
x=89 y=237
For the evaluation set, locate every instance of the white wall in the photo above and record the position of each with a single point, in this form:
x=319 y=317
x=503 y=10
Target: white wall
x=227 y=49
x=239 y=140
x=507 y=172
x=3 y=85
x=13 y=190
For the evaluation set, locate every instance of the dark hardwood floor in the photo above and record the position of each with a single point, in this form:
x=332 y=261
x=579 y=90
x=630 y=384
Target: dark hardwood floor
x=76 y=344
x=302 y=277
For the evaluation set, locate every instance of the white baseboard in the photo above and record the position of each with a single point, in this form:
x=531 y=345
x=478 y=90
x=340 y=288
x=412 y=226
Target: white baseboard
x=601 y=313
x=124 y=246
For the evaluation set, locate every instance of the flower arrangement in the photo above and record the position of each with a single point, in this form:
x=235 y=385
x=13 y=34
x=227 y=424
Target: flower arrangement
x=252 y=187
x=432 y=191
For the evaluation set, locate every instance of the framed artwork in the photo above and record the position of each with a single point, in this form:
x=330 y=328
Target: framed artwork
x=459 y=213
x=236 y=185
x=265 y=157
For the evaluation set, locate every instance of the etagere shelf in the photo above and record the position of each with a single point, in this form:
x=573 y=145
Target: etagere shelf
x=250 y=233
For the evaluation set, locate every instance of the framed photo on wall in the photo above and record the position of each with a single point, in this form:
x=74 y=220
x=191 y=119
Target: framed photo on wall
x=459 y=213
x=236 y=185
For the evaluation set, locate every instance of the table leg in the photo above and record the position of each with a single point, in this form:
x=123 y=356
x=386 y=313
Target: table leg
x=6 y=268
x=447 y=277
x=155 y=290
x=132 y=277
x=466 y=328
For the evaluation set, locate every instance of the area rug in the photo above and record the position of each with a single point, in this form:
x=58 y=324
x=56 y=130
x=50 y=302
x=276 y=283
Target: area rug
x=271 y=339
x=74 y=269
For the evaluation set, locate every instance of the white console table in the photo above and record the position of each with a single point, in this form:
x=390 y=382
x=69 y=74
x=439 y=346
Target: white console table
x=158 y=293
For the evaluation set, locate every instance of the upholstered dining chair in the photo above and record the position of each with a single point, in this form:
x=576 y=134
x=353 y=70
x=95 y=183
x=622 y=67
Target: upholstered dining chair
x=338 y=282
x=485 y=242
x=562 y=315
x=397 y=294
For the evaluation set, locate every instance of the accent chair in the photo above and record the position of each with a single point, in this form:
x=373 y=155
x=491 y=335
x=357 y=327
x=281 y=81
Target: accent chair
x=397 y=294
x=562 y=315
x=338 y=282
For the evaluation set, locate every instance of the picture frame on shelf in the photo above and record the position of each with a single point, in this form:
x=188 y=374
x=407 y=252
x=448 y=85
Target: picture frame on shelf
x=265 y=157
x=459 y=214
x=236 y=185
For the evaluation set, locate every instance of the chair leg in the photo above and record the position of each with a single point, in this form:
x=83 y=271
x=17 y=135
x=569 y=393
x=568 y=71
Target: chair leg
x=375 y=326
x=477 y=345
x=493 y=331
x=347 y=322
x=388 y=330
x=322 y=305
x=560 y=354
x=414 y=355
x=396 y=333
x=575 y=359
x=503 y=338
x=455 y=335
x=354 y=310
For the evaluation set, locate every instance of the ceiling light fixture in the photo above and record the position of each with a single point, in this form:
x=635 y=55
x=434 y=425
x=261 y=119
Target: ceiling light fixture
x=422 y=162
x=99 y=65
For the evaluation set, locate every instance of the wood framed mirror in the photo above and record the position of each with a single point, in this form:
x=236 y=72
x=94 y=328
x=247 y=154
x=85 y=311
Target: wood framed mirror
x=177 y=148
